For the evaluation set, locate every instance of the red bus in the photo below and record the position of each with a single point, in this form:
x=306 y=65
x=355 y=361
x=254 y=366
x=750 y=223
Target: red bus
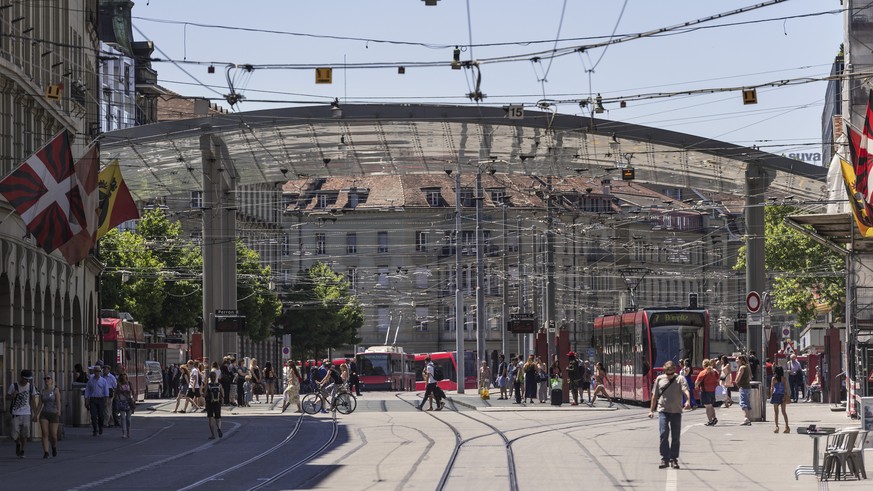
x=123 y=344
x=386 y=368
x=629 y=345
x=445 y=361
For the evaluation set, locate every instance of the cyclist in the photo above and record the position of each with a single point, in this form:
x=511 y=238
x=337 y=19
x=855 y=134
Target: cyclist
x=331 y=381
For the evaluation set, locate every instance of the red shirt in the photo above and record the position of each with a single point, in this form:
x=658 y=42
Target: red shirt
x=708 y=380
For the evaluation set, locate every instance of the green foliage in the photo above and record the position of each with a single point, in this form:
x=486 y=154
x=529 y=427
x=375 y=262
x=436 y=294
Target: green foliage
x=321 y=312
x=256 y=301
x=132 y=283
x=803 y=272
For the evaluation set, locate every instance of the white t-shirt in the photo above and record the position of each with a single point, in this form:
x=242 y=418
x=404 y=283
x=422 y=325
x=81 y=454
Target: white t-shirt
x=430 y=377
x=21 y=404
x=194 y=380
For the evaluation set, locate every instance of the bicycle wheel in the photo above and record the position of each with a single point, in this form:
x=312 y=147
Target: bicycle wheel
x=346 y=403
x=312 y=403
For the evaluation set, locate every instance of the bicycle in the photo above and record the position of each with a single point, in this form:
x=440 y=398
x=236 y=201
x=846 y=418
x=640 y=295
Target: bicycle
x=344 y=401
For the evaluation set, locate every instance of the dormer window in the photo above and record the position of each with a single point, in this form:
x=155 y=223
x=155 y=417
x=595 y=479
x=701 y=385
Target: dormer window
x=434 y=196
x=467 y=197
x=321 y=201
x=498 y=196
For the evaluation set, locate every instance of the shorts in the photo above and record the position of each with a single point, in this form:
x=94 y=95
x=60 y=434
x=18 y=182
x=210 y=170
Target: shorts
x=777 y=399
x=193 y=392
x=213 y=410
x=52 y=418
x=707 y=398
x=20 y=427
x=745 y=398
x=585 y=386
x=574 y=385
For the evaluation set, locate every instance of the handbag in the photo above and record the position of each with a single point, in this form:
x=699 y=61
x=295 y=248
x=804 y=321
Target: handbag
x=258 y=389
x=720 y=391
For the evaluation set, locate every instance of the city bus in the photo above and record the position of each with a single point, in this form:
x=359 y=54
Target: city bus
x=445 y=362
x=634 y=346
x=385 y=368
x=123 y=344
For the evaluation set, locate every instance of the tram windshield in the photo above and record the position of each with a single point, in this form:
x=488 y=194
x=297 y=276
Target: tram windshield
x=677 y=343
x=373 y=365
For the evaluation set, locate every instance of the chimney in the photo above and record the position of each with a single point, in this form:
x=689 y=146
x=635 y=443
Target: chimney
x=606 y=187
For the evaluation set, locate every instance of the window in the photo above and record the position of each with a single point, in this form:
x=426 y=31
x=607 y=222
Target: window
x=322 y=201
x=434 y=197
x=498 y=196
x=319 y=243
x=421 y=276
x=382 y=242
x=421 y=318
x=196 y=199
x=353 y=198
x=382 y=318
x=382 y=277
x=467 y=197
x=352 y=243
x=421 y=241
x=468 y=242
x=352 y=278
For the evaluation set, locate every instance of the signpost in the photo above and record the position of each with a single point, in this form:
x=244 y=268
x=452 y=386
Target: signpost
x=522 y=323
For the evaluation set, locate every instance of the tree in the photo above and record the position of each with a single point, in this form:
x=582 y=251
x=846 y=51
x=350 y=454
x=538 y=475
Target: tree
x=131 y=280
x=256 y=300
x=321 y=312
x=804 y=273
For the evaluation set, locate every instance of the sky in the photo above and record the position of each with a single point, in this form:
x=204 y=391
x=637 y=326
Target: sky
x=793 y=40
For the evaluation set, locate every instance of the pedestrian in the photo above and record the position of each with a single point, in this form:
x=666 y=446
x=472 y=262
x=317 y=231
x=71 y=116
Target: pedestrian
x=80 y=376
x=542 y=380
x=213 y=395
x=354 y=377
x=727 y=380
x=601 y=379
x=344 y=374
x=667 y=393
x=331 y=382
x=96 y=393
x=168 y=381
x=226 y=378
x=240 y=379
x=573 y=377
x=585 y=385
x=430 y=389
x=795 y=377
x=247 y=390
x=754 y=364
x=49 y=413
x=195 y=381
x=516 y=375
x=257 y=385
x=707 y=381
x=484 y=377
x=182 y=393
x=743 y=381
x=125 y=403
x=176 y=386
x=109 y=415
x=778 y=399
x=688 y=373
x=503 y=378
x=292 y=390
x=530 y=379
x=24 y=399
x=269 y=382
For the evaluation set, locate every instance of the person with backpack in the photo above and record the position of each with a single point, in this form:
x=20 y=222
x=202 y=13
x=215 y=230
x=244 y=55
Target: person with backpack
x=194 y=386
x=214 y=394
x=24 y=399
x=573 y=377
x=667 y=393
x=516 y=376
x=331 y=382
x=431 y=390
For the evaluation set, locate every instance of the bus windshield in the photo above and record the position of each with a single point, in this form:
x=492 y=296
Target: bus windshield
x=676 y=343
x=373 y=365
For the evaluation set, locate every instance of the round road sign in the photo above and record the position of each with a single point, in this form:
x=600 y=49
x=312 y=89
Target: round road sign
x=753 y=302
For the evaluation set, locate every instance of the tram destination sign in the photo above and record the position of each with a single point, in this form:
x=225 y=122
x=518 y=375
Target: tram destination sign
x=697 y=319
x=230 y=323
x=522 y=324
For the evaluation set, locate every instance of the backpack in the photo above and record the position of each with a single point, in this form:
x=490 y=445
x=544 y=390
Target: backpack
x=213 y=393
x=437 y=373
x=12 y=400
x=573 y=372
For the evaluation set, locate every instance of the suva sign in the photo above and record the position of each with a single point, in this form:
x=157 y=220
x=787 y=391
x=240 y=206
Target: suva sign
x=806 y=156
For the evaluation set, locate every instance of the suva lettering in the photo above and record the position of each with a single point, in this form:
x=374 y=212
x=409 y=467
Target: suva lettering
x=806 y=156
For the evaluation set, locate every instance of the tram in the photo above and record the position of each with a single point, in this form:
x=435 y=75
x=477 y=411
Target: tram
x=634 y=346
x=386 y=368
x=123 y=344
x=445 y=362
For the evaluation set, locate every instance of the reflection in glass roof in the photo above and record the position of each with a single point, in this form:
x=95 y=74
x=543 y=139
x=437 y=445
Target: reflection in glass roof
x=279 y=144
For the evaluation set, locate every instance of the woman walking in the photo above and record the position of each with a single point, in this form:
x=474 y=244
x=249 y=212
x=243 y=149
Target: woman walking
x=778 y=399
x=49 y=411
x=542 y=380
x=124 y=401
x=601 y=379
x=726 y=380
x=255 y=374
x=743 y=381
x=182 y=393
x=269 y=382
x=707 y=381
x=292 y=390
x=530 y=379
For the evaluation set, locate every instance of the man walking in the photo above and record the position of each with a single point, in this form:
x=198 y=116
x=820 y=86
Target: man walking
x=795 y=377
x=354 y=379
x=96 y=393
x=109 y=414
x=667 y=395
x=573 y=376
x=24 y=400
x=214 y=394
x=431 y=389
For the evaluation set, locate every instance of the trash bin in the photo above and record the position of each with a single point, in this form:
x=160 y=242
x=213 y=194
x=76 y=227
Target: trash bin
x=77 y=401
x=756 y=400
